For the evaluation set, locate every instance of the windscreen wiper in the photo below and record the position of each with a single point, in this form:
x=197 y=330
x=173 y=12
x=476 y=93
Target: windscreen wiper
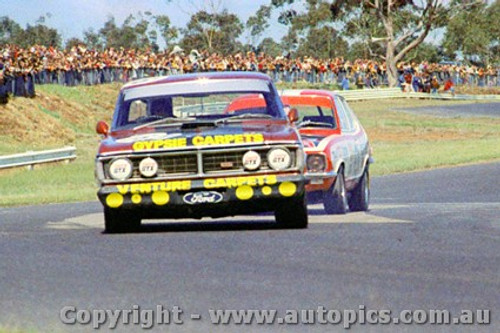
x=314 y=124
x=165 y=121
x=244 y=116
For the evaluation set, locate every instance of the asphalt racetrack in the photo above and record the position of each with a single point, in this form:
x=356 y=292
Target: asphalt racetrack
x=491 y=110
x=430 y=241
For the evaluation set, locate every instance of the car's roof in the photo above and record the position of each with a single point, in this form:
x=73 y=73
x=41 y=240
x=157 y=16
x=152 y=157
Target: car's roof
x=195 y=76
x=306 y=92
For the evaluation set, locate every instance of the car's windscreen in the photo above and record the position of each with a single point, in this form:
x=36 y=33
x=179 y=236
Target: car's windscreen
x=210 y=106
x=313 y=115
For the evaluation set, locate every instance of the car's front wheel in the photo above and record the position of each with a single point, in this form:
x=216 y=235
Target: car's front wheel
x=360 y=196
x=293 y=214
x=116 y=221
x=335 y=198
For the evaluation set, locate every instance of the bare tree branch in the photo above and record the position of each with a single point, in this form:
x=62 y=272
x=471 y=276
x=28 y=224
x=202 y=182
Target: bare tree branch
x=371 y=4
x=419 y=39
x=409 y=33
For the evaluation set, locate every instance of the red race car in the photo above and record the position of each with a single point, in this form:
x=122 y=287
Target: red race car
x=337 y=149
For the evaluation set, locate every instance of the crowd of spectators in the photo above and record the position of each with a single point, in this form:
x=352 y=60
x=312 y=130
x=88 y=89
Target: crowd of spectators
x=21 y=69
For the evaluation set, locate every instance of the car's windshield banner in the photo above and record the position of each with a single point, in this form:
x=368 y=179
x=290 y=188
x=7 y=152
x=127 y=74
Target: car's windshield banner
x=200 y=86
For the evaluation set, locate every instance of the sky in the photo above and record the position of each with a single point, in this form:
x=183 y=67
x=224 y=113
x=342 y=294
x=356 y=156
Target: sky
x=72 y=17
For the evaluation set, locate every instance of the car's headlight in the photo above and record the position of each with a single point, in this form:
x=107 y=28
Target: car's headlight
x=251 y=160
x=279 y=159
x=120 y=169
x=148 y=167
x=316 y=163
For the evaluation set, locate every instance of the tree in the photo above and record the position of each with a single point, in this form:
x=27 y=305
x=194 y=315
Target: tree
x=168 y=33
x=139 y=31
x=424 y=52
x=215 y=32
x=290 y=42
x=362 y=50
x=322 y=43
x=93 y=39
x=9 y=30
x=38 y=34
x=270 y=47
x=258 y=23
x=493 y=14
x=473 y=32
x=312 y=32
x=398 y=25
x=73 y=42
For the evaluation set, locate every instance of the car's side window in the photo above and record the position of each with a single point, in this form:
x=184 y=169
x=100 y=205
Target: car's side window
x=353 y=120
x=345 y=121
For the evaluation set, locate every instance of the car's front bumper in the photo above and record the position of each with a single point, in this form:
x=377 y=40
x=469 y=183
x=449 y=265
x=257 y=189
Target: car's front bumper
x=236 y=195
x=319 y=180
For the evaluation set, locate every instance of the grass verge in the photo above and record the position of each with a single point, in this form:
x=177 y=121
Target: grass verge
x=402 y=141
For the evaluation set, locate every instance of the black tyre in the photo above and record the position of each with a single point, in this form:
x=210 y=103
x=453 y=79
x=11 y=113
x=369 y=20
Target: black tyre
x=293 y=214
x=116 y=221
x=360 y=196
x=335 y=199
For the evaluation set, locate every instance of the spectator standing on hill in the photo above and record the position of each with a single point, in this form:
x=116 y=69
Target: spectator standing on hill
x=427 y=83
x=449 y=86
x=345 y=83
x=4 y=98
x=360 y=82
x=407 y=81
x=416 y=82
x=434 y=85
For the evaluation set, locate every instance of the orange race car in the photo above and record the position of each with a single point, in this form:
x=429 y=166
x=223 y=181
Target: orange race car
x=336 y=145
x=337 y=148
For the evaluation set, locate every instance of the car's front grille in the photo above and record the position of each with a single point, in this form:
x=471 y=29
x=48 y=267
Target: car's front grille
x=231 y=160
x=213 y=161
x=177 y=164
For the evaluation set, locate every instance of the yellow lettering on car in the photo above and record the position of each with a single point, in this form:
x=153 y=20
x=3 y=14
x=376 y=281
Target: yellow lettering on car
x=233 y=182
x=123 y=189
x=209 y=183
x=199 y=141
x=271 y=180
x=219 y=140
x=258 y=137
x=138 y=145
x=227 y=139
x=186 y=185
x=146 y=188
x=159 y=144
x=134 y=188
x=239 y=138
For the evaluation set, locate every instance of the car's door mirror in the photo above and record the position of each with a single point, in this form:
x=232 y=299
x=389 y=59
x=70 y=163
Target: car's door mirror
x=293 y=115
x=102 y=128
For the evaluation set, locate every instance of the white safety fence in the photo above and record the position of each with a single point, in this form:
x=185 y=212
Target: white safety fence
x=31 y=158
x=383 y=93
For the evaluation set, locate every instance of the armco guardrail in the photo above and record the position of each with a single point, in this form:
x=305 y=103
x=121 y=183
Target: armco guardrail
x=31 y=158
x=364 y=94
x=381 y=93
